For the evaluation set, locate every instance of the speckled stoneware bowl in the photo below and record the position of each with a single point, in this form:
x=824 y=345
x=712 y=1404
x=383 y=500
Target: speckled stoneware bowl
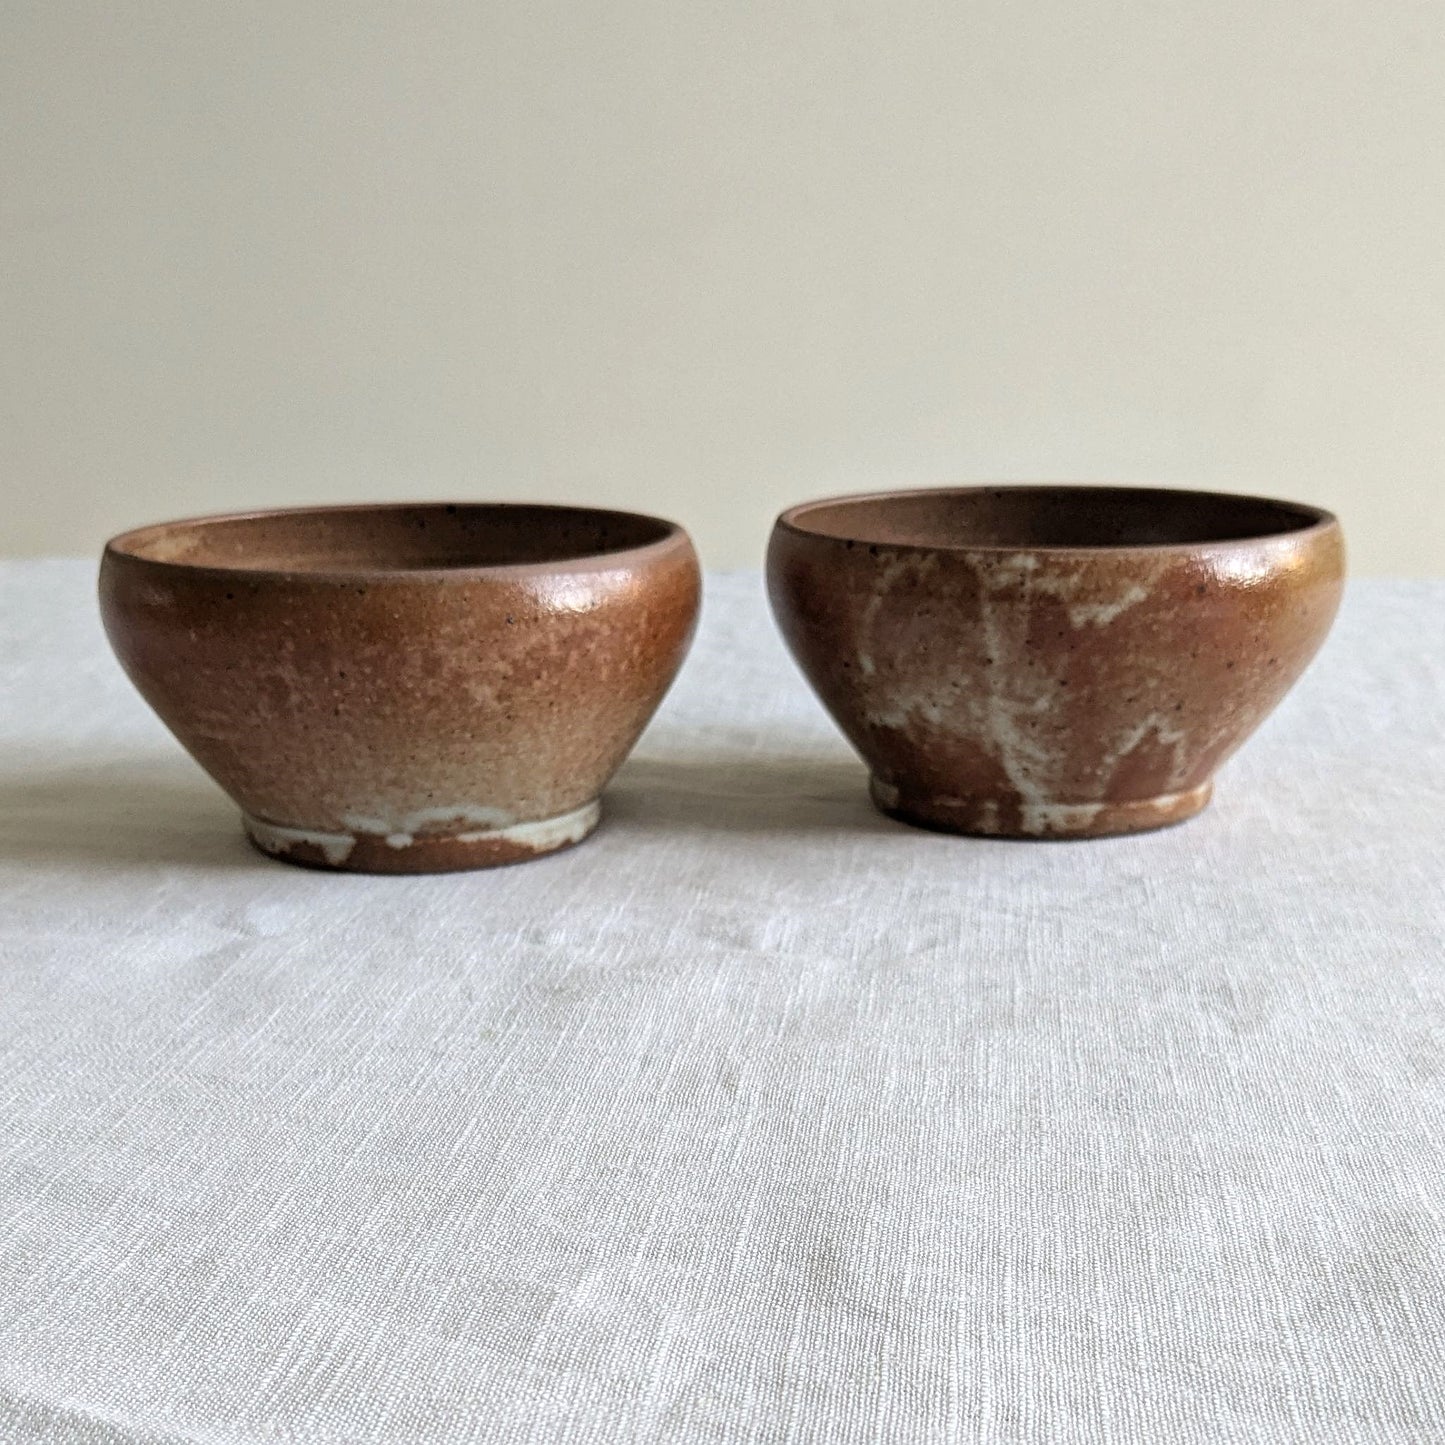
x=405 y=689
x=1047 y=660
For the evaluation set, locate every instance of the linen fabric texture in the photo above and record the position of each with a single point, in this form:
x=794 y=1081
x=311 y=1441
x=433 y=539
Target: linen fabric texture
x=757 y=1118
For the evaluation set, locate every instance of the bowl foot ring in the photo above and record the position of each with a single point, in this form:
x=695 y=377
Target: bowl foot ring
x=1013 y=817
x=422 y=852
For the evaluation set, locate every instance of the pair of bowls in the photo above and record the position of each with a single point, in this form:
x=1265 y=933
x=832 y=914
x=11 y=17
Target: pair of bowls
x=420 y=688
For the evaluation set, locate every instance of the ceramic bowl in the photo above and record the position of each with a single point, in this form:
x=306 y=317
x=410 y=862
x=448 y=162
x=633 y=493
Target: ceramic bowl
x=1058 y=661
x=405 y=689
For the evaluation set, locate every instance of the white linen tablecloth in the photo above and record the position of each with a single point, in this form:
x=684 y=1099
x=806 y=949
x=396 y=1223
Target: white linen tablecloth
x=757 y=1118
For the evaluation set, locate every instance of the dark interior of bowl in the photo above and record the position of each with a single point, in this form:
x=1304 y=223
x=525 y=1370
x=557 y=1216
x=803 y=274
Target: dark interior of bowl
x=395 y=538
x=1069 y=517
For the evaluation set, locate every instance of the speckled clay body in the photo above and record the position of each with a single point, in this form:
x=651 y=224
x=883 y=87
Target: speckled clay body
x=1051 y=661
x=410 y=688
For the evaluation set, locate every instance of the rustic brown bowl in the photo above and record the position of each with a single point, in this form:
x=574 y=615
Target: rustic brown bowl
x=1046 y=660
x=405 y=689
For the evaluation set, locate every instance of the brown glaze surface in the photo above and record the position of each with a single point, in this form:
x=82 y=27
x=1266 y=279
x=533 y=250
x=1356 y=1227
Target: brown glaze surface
x=1051 y=661
x=407 y=688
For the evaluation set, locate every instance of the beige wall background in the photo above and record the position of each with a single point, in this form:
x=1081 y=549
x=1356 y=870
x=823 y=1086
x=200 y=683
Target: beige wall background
x=708 y=259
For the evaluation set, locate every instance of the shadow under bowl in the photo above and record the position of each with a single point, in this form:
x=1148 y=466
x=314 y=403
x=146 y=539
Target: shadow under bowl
x=1051 y=661
x=407 y=688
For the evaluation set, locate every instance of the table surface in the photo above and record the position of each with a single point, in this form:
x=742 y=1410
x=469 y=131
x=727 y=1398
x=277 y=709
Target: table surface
x=759 y=1117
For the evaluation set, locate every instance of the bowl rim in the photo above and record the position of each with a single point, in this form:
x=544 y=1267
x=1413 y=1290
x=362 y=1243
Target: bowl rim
x=1316 y=520
x=674 y=538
